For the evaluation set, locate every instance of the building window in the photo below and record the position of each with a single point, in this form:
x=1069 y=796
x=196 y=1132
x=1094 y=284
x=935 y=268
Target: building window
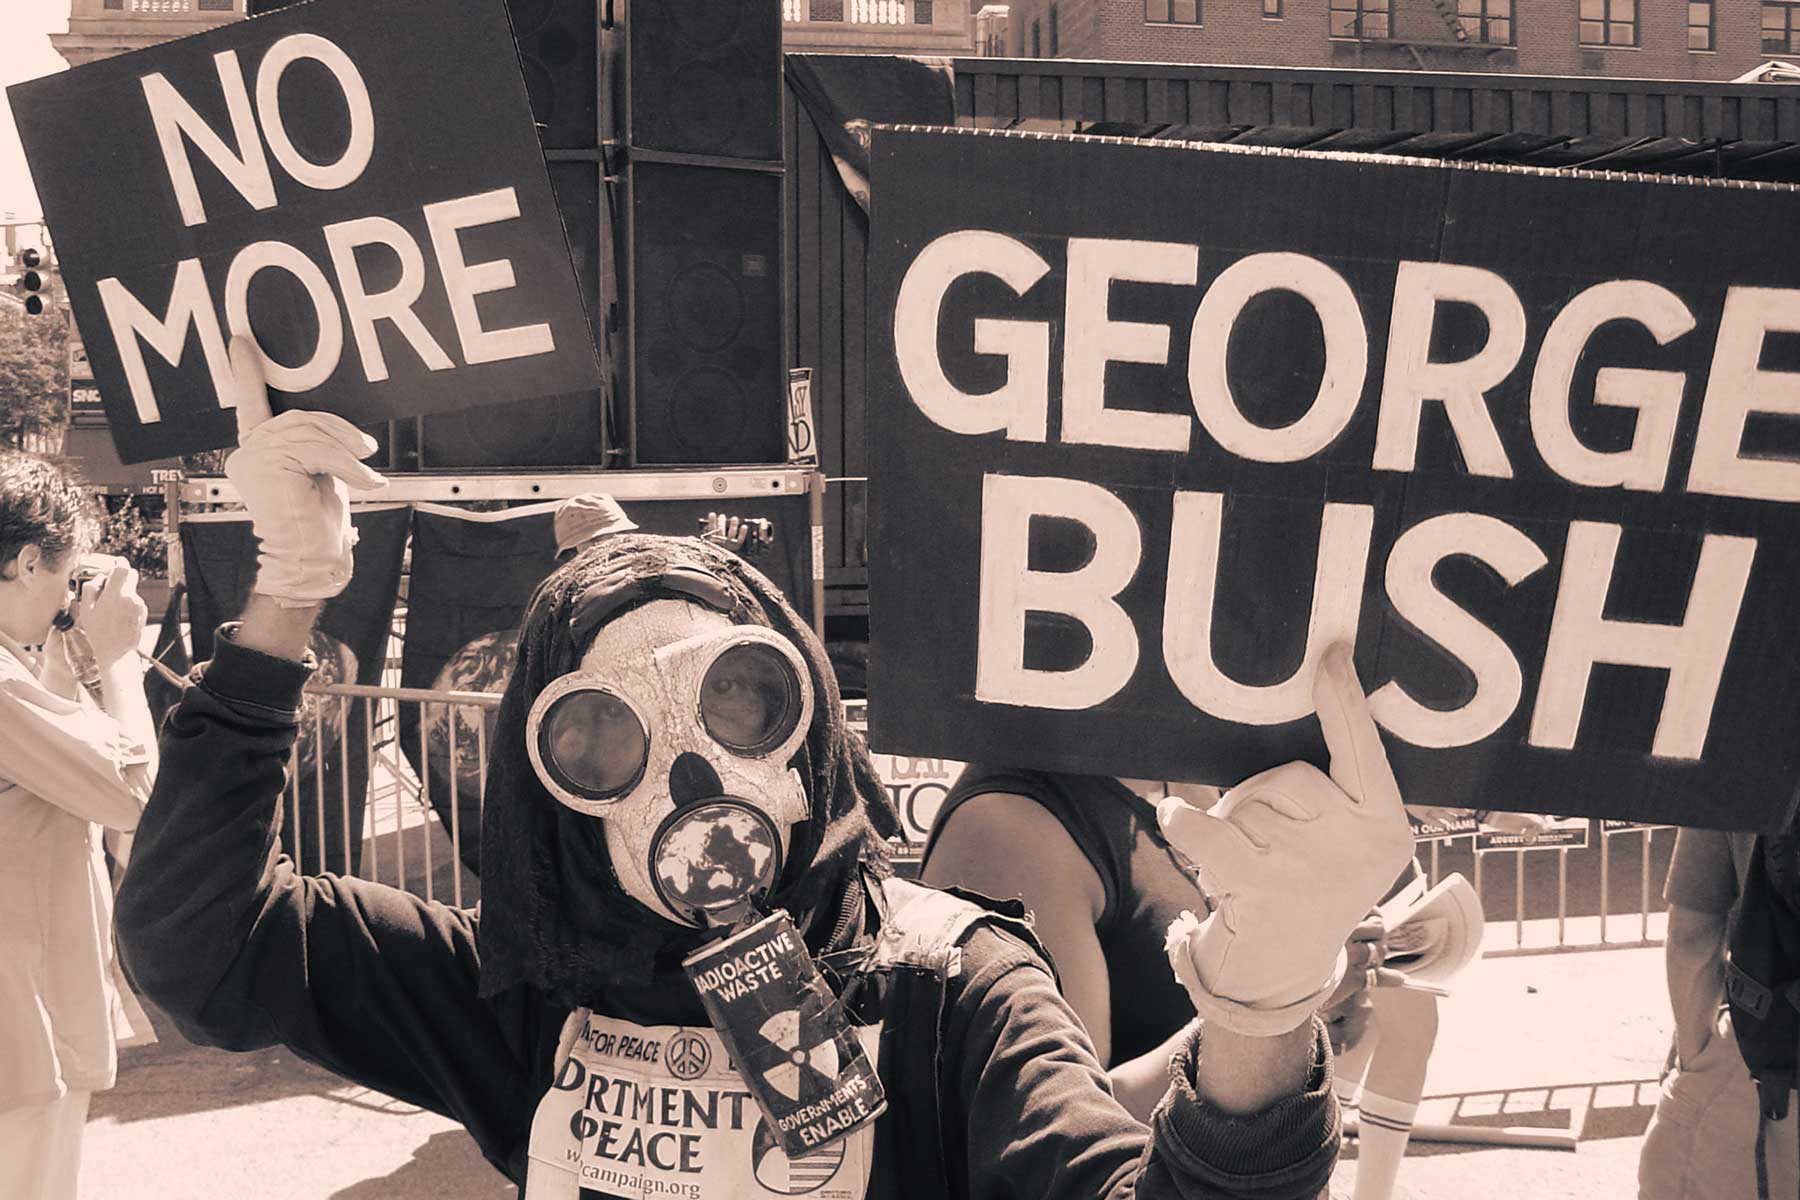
x=1272 y=10
x=1700 y=25
x=1037 y=41
x=1780 y=27
x=1609 y=22
x=1053 y=44
x=1172 y=12
x=217 y=6
x=1488 y=21
x=921 y=12
x=826 y=10
x=115 y=4
x=1362 y=18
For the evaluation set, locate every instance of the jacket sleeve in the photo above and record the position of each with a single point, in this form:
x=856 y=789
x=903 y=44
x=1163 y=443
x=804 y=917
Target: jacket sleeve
x=242 y=952
x=69 y=752
x=1037 y=1118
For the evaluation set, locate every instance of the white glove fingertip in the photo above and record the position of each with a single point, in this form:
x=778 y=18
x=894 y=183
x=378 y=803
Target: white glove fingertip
x=250 y=387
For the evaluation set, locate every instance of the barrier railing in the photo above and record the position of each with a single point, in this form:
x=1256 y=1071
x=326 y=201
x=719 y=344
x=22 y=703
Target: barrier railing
x=1603 y=893
x=394 y=831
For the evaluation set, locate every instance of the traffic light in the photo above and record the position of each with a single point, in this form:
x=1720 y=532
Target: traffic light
x=32 y=281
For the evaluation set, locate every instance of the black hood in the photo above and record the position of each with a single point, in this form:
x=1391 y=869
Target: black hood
x=553 y=915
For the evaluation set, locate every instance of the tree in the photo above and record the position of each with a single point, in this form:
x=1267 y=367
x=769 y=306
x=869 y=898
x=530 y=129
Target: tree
x=34 y=372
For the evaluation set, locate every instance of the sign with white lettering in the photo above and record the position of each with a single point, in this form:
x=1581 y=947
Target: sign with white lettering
x=1527 y=438
x=356 y=186
x=639 y=1112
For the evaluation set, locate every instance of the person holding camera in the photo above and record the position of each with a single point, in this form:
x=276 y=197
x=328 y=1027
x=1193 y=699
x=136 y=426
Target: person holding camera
x=69 y=766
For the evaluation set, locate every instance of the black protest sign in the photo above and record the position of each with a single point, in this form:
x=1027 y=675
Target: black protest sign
x=1153 y=424
x=357 y=186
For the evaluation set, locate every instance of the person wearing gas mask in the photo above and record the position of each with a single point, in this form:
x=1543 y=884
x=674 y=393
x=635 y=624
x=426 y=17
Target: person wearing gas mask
x=690 y=973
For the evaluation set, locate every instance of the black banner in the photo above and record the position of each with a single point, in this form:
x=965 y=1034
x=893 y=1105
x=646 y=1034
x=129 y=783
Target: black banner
x=359 y=185
x=472 y=575
x=329 y=771
x=1153 y=424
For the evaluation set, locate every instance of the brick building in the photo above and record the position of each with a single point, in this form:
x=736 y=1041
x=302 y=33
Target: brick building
x=1661 y=39
x=877 y=27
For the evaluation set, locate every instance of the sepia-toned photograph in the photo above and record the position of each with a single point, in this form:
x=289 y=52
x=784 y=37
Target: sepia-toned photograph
x=900 y=599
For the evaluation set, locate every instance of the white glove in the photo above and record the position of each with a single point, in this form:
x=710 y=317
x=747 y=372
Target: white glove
x=1293 y=861
x=294 y=473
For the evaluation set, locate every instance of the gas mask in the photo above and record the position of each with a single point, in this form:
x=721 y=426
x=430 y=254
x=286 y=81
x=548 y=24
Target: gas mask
x=676 y=730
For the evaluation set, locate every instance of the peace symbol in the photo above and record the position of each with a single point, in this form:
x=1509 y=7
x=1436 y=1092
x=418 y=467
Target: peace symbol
x=687 y=1055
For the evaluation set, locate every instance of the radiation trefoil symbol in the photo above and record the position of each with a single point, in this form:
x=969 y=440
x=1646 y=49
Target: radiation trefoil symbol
x=783 y=1032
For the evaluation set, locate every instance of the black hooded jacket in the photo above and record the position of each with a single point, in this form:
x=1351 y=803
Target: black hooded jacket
x=994 y=1089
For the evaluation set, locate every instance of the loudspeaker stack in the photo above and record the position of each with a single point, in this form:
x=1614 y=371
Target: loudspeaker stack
x=695 y=105
x=558 y=43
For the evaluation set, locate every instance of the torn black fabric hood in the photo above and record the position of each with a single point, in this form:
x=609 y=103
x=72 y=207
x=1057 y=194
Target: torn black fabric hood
x=553 y=915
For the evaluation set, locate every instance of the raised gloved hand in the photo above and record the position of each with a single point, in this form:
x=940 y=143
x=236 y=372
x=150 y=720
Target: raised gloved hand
x=1293 y=860
x=294 y=473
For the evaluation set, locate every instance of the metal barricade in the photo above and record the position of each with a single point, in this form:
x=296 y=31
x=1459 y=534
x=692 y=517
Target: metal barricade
x=399 y=836
x=1604 y=893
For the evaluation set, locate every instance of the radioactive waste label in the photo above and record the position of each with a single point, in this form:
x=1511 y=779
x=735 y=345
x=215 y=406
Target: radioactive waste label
x=638 y=1112
x=794 y=1045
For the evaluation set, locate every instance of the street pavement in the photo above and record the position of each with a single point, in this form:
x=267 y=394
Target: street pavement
x=1549 y=1040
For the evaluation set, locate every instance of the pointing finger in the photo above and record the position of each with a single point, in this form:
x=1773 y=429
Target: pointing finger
x=1359 y=764
x=251 y=390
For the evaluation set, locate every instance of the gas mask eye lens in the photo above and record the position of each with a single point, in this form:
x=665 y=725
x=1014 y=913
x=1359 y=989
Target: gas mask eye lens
x=593 y=744
x=750 y=698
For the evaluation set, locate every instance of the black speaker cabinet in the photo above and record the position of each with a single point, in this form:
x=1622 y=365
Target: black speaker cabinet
x=559 y=53
x=708 y=374
x=700 y=76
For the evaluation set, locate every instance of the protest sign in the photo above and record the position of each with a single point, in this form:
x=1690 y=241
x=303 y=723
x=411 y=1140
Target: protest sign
x=1561 y=833
x=357 y=186
x=651 y=1111
x=1167 y=420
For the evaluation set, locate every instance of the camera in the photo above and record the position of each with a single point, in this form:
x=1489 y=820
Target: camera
x=78 y=582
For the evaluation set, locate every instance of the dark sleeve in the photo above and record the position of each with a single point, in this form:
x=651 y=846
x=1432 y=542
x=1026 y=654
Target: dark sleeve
x=242 y=952
x=1037 y=1118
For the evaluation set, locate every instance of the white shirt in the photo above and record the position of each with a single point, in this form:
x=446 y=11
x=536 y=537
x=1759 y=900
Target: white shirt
x=66 y=770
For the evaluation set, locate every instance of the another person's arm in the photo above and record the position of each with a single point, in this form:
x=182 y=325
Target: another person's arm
x=1005 y=845
x=1701 y=886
